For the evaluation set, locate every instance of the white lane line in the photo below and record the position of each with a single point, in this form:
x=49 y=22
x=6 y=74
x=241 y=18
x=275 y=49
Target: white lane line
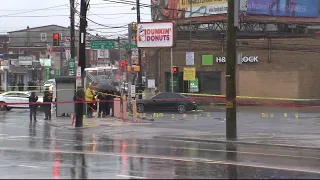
x=134 y=177
x=20 y=165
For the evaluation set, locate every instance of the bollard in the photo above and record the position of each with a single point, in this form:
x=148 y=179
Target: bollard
x=124 y=108
x=134 y=110
x=116 y=106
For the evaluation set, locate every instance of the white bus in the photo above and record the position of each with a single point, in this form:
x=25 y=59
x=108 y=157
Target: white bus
x=107 y=72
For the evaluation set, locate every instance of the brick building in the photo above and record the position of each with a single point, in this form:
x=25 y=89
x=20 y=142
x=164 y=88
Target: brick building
x=271 y=67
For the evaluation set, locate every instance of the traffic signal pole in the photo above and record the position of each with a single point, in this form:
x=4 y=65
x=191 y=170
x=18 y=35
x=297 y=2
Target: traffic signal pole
x=82 y=61
x=231 y=111
x=139 y=54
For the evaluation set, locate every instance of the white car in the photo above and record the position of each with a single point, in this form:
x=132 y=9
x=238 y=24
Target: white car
x=16 y=97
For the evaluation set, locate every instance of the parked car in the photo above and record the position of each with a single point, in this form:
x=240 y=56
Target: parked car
x=16 y=97
x=167 y=101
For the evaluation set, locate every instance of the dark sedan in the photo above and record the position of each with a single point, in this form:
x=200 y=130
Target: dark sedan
x=167 y=101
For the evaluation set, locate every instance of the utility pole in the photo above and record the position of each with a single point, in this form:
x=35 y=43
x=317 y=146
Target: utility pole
x=72 y=40
x=139 y=53
x=82 y=61
x=72 y=31
x=119 y=53
x=231 y=111
x=129 y=78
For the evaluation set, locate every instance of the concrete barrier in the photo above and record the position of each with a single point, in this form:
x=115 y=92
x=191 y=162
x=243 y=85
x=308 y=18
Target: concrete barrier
x=117 y=108
x=124 y=108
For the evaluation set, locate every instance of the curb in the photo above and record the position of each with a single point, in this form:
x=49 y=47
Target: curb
x=70 y=128
x=236 y=142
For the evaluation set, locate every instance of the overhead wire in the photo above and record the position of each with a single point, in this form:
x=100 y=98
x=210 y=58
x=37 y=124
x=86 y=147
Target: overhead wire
x=146 y=5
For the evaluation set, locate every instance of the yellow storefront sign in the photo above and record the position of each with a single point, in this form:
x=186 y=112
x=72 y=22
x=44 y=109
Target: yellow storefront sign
x=197 y=3
x=189 y=74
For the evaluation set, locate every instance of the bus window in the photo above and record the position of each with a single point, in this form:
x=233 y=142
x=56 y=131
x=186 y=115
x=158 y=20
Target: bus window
x=101 y=72
x=92 y=72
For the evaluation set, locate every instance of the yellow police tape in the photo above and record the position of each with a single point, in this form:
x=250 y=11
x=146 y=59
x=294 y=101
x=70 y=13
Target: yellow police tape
x=250 y=97
x=211 y=115
x=202 y=95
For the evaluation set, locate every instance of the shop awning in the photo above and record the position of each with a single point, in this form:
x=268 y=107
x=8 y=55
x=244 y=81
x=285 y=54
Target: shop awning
x=4 y=68
x=20 y=70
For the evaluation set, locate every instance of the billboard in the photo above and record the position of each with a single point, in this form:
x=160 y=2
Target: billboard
x=159 y=34
x=180 y=9
x=286 y=8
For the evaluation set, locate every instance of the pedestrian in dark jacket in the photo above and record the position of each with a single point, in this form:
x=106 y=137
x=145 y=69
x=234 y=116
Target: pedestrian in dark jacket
x=108 y=103
x=102 y=104
x=32 y=106
x=47 y=98
x=13 y=85
x=20 y=86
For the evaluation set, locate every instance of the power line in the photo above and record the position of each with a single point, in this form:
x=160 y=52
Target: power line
x=65 y=15
x=54 y=9
x=35 y=10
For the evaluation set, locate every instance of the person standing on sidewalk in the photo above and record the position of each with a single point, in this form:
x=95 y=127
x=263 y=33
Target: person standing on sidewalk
x=102 y=104
x=47 y=99
x=33 y=106
x=89 y=96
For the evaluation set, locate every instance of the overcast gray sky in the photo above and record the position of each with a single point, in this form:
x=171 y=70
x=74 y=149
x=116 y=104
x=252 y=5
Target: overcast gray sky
x=18 y=14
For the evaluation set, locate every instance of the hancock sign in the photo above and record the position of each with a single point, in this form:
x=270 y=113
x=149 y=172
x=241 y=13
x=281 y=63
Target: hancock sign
x=245 y=59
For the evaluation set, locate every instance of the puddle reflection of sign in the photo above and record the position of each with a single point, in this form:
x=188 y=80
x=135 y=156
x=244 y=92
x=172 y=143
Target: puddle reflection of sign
x=189 y=74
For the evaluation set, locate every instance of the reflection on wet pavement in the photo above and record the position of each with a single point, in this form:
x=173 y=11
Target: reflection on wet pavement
x=38 y=150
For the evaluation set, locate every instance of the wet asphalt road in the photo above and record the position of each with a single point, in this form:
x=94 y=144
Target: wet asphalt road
x=264 y=120
x=38 y=150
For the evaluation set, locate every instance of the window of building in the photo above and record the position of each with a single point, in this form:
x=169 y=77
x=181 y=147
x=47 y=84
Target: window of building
x=43 y=37
x=61 y=38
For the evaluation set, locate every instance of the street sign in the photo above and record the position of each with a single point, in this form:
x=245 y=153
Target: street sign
x=130 y=46
x=78 y=77
x=46 y=74
x=102 y=45
x=58 y=72
x=189 y=58
x=133 y=90
x=72 y=67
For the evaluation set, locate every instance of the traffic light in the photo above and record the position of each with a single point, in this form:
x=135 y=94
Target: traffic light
x=56 y=39
x=133 y=33
x=175 y=69
x=123 y=63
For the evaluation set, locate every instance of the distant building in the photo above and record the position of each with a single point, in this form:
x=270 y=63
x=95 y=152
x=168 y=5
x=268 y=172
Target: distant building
x=38 y=36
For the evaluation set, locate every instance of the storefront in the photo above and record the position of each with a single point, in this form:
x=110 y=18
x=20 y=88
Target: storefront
x=4 y=78
x=290 y=68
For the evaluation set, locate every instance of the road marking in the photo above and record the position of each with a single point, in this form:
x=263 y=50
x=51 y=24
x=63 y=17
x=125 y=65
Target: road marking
x=209 y=161
x=214 y=150
x=135 y=177
x=28 y=166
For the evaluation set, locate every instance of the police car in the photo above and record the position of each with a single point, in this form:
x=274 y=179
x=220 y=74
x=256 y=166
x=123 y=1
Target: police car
x=19 y=99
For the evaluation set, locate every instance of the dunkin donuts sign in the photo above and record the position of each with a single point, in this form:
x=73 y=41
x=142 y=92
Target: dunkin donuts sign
x=155 y=35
